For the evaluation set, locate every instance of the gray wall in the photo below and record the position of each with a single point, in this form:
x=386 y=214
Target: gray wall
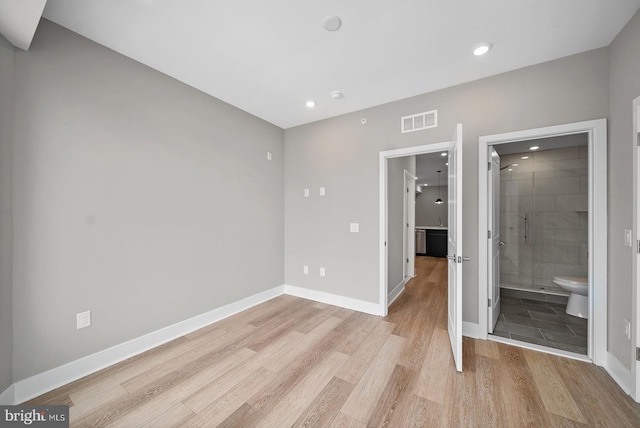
x=135 y=196
x=428 y=213
x=6 y=307
x=624 y=86
x=395 y=217
x=343 y=153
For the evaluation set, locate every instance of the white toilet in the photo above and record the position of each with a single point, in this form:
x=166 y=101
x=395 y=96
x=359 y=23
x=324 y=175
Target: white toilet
x=578 y=304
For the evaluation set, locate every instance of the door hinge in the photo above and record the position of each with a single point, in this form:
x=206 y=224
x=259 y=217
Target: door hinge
x=489 y=166
x=637 y=354
x=488 y=234
x=489 y=302
x=638 y=138
x=638 y=247
x=407 y=260
x=407 y=190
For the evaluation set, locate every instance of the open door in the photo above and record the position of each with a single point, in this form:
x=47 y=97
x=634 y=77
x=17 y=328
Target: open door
x=494 y=238
x=454 y=250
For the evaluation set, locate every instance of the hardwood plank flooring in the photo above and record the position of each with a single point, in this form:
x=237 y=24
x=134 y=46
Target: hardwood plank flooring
x=294 y=362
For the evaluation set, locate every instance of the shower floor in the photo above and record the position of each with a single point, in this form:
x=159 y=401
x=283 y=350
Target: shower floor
x=541 y=322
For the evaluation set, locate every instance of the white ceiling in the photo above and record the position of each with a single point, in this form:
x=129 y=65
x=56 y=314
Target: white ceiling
x=19 y=20
x=269 y=57
x=427 y=167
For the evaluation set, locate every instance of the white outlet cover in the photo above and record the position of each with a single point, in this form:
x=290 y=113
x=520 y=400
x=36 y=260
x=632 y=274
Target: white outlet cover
x=83 y=319
x=322 y=191
x=322 y=272
x=306 y=193
x=627 y=237
x=354 y=227
x=268 y=155
x=305 y=269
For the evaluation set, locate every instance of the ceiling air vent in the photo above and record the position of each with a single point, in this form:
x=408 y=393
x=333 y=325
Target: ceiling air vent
x=420 y=121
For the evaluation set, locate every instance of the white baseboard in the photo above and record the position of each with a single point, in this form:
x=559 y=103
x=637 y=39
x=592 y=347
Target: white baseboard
x=8 y=396
x=395 y=293
x=34 y=386
x=333 y=299
x=619 y=373
x=471 y=329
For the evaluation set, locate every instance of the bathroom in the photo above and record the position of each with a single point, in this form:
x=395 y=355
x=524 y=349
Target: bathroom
x=544 y=242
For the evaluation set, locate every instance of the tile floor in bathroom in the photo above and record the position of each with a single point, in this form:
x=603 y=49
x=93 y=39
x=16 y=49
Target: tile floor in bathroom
x=540 y=322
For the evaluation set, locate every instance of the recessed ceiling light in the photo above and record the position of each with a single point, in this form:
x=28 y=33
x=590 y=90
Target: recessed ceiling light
x=310 y=103
x=336 y=95
x=524 y=157
x=443 y=154
x=534 y=147
x=447 y=164
x=515 y=164
x=482 y=49
x=332 y=23
x=510 y=169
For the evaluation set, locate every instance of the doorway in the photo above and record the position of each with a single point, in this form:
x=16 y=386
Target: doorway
x=455 y=258
x=524 y=226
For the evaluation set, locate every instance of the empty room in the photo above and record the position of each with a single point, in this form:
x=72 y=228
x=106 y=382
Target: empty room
x=338 y=214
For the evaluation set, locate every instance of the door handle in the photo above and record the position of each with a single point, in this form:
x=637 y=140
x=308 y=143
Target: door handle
x=502 y=243
x=466 y=259
x=452 y=258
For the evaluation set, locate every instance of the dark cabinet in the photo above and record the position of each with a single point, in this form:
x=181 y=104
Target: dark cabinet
x=436 y=243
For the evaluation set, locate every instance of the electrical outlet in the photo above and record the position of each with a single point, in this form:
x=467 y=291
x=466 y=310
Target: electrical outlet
x=627 y=238
x=321 y=271
x=306 y=193
x=354 y=227
x=627 y=329
x=268 y=155
x=83 y=319
x=305 y=269
x=322 y=191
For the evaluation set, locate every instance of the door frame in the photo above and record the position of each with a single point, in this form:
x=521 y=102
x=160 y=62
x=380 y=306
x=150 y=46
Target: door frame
x=409 y=219
x=383 y=305
x=635 y=288
x=597 y=137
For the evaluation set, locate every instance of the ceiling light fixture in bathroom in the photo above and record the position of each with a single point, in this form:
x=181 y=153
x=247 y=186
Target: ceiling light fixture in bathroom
x=515 y=164
x=443 y=154
x=310 y=103
x=336 y=95
x=534 y=147
x=439 y=201
x=524 y=157
x=482 y=49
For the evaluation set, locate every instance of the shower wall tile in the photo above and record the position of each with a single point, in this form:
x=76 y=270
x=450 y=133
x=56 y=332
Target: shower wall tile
x=556 y=186
x=550 y=189
x=576 y=202
x=545 y=202
x=557 y=220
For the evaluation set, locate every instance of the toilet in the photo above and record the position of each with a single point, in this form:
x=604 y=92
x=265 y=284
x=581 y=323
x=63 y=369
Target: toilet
x=578 y=304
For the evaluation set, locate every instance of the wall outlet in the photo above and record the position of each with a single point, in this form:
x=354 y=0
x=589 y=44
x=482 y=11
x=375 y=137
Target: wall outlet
x=627 y=238
x=306 y=193
x=627 y=329
x=354 y=227
x=322 y=191
x=321 y=271
x=305 y=269
x=83 y=319
x=268 y=155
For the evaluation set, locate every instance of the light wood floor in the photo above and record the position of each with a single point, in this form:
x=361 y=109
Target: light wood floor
x=293 y=362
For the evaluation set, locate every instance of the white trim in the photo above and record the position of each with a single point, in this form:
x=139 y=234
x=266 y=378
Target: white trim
x=396 y=292
x=471 y=329
x=635 y=264
x=540 y=348
x=408 y=232
x=8 y=396
x=333 y=299
x=597 y=133
x=619 y=373
x=383 y=211
x=36 y=385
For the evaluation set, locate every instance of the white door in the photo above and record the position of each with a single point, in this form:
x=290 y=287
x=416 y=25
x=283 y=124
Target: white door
x=636 y=133
x=409 y=225
x=494 y=238
x=454 y=250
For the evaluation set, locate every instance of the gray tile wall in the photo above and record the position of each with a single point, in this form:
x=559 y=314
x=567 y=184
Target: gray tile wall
x=550 y=191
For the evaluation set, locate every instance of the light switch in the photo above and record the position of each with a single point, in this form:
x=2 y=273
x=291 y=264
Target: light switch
x=627 y=238
x=306 y=193
x=268 y=155
x=321 y=271
x=354 y=227
x=322 y=191
x=305 y=269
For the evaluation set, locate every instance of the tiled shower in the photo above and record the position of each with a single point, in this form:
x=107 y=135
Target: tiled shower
x=543 y=218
